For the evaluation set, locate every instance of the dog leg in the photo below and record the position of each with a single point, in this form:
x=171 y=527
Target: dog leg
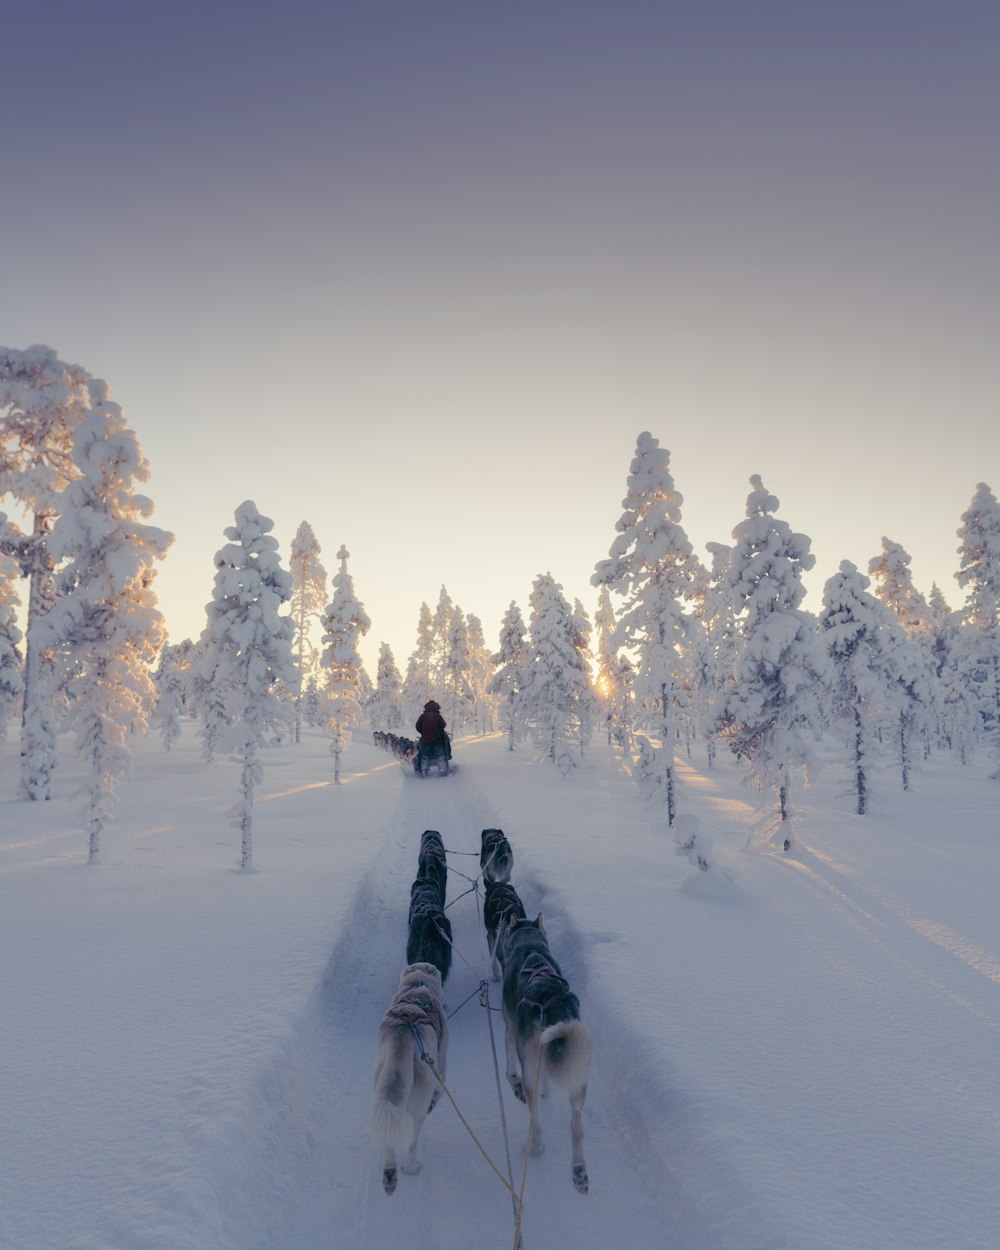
x=513 y=1063
x=389 y=1174
x=581 y=1182
x=532 y=1077
x=411 y=1164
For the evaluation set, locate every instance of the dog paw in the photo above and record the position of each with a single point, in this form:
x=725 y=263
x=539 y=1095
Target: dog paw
x=536 y=1148
x=411 y=1167
x=518 y=1089
x=389 y=1180
x=581 y=1181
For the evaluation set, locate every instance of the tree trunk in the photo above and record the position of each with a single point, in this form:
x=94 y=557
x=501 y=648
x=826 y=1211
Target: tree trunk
x=246 y=816
x=860 y=781
x=36 y=741
x=904 y=752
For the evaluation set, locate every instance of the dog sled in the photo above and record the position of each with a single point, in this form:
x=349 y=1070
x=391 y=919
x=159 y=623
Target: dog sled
x=433 y=758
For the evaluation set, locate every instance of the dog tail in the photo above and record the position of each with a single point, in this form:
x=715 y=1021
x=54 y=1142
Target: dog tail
x=392 y=1124
x=566 y=1047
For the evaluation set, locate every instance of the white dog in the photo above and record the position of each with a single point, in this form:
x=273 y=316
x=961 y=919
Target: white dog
x=405 y=1086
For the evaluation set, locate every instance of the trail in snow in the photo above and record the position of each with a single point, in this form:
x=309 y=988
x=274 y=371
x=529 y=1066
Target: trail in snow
x=456 y=1201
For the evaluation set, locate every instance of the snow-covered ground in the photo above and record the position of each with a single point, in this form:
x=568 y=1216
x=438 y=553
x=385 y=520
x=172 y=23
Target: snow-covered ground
x=790 y=1051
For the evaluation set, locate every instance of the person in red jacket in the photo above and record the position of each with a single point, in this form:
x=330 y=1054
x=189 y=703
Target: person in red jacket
x=431 y=725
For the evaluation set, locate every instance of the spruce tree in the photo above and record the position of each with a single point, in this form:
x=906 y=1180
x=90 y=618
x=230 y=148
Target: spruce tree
x=106 y=626
x=508 y=679
x=385 y=707
x=771 y=698
x=555 y=700
x=11 y=681
x=248 y=646
x=308 y=601
x=42 y=400
x=344 y=624
x=979 y=576
x=649 y=565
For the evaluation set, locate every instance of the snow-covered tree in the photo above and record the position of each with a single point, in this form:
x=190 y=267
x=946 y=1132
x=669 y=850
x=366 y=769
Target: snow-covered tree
x=385 y=711
x=649 y=565
x=855 y=629
x=11 y=681
x=312 y=704
x=894 y=588
x=106 y=624
x=42 y=400
x=915 y=664
x=507 y=680
x=419 y=685
x=344 y=624
x=440 y=625
x=480 y=669
x=169 y=697
x=979 y=576
x=555 y=698
x=457 y=671
x=770 y=700
x=248 y=651
x=308 y=601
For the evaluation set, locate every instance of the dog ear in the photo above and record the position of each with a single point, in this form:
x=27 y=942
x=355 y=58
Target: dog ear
x=538 y=922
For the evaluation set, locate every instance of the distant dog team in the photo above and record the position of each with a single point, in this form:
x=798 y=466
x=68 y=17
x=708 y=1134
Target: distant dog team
x=545 y=1038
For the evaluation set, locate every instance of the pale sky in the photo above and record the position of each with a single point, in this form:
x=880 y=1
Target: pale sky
x=419 y=273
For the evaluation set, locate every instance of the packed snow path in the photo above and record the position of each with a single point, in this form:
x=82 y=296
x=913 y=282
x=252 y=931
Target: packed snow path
x=456 y=1201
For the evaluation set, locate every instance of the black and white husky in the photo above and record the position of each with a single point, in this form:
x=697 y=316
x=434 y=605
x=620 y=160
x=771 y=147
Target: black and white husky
x=496 y=857
x=432 y=860
x=405 y=1087
x=502 y=901
x=429 y=936
x=546 y=1040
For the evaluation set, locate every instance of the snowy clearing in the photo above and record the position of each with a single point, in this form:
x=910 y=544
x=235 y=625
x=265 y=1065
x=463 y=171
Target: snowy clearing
x=790 y=1050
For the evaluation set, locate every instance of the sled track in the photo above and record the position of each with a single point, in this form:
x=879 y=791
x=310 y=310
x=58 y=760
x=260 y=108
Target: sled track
x=456 y=1201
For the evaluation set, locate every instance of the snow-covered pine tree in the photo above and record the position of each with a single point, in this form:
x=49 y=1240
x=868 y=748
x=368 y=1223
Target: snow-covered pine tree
x=248 y=651
x=649 y=565
x=480 y=669
x=979 y=576
x=440 y=624
x=508 y=678
x=11 y=681
x=418 y=686
x=312 y=705
x=457 y=674
x=917 y=687
x=308 y=601
x=698 y=660
x=582 y=631
x=555 y=698
x=605 y=623
x=344 y=624
x=42 y=400
x=385 y=710
x=169 y=697
x=204 y=692
x=855 y=629
x=893 y=584
x=771 y=696
x=105 y=625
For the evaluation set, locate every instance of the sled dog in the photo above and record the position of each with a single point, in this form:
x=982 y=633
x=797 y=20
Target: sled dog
x=432 y=861
x=429 y=939
x=406 y=1090
x=545 y=1036
x=496 y=858
x=501 y=903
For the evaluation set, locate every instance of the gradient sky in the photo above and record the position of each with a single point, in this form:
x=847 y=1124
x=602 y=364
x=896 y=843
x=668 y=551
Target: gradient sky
x=420 y=272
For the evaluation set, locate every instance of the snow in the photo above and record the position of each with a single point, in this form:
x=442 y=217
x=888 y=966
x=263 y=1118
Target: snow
x=790 y=1050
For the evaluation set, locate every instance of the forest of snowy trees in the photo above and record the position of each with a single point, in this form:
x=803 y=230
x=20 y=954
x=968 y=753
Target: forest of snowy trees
x=681 y=651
